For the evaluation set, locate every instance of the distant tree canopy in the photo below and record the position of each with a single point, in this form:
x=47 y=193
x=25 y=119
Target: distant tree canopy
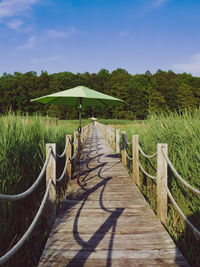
x=143 y=93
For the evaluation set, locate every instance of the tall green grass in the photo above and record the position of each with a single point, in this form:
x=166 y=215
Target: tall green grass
x=182 y=134
x=22 y=154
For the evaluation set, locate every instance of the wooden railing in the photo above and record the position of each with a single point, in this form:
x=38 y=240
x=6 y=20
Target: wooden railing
x=161 y=178
x=111 y=136
x=49 y=200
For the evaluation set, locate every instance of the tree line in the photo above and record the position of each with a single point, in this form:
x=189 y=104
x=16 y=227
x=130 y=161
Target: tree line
x=143 y=93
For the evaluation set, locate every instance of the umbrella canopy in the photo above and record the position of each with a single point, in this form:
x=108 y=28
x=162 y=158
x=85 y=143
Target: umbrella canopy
x=72 y=97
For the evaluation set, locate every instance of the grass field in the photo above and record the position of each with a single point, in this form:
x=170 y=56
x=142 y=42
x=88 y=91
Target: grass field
x=182 y=134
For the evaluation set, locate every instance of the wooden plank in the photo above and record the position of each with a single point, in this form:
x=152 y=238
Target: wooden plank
x=116 y=254
x=124 y=262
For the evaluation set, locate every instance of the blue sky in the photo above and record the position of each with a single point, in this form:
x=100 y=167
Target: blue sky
x=87 y=35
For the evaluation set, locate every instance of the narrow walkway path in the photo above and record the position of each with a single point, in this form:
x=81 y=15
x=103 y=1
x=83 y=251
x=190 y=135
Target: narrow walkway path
x=108 y=222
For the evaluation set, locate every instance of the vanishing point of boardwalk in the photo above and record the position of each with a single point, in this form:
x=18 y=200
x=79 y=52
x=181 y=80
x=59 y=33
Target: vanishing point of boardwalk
x=108 y=222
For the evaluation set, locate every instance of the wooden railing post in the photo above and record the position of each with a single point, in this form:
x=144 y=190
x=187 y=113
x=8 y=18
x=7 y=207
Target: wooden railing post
x=135 y=156
x=124 y=160
x=117 y=141
x=69 y=154
x=76 y=141
x=113 y=139
x=83 y=136
x=51 y=173
x=161 y=191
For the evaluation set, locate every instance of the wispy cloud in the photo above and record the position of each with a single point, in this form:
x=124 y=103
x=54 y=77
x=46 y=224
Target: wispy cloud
x=54 y=34
x=14 y=24
x=191 y=65
x=31 y=42
x=46 y=35
x=123 y=33
x=10 y=8
x=148 y=6
x=158 y=3
x=43 y=60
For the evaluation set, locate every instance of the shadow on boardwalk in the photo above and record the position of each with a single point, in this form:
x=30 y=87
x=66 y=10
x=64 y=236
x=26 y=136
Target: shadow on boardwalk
x=107 y=222
x=82 y=195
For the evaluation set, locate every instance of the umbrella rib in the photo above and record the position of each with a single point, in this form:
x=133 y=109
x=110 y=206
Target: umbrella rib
x=102 y=102
x=55 y=99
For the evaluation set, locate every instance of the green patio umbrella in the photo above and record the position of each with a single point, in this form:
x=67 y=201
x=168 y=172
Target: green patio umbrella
x=80 y=97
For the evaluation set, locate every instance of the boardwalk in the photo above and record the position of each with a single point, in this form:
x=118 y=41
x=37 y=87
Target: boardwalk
x=108 y=222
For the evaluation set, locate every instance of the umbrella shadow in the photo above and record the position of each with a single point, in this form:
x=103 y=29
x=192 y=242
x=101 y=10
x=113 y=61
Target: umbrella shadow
x=108 y=226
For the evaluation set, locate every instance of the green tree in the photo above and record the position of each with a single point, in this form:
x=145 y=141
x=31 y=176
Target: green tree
x=155 y=101
x=185 y=97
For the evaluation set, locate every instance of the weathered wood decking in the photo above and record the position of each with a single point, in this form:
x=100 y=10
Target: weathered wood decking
x=108 y=222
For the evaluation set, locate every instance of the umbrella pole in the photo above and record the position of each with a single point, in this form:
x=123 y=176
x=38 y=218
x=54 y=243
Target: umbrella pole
x=79 y=146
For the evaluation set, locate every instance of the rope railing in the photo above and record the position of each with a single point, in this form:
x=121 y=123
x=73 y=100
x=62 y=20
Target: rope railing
x=64 y=171
x=50 y=151
x=194 y=190
x=127 y=155
x=162 y=162
x=74 y=155
x=74 y=141
x=194 y=229
x=109 y=133
x=65 y=149
x=136 y=162
x=144 y=154
x=146 y=173
x=32 y=188
x=17 y=246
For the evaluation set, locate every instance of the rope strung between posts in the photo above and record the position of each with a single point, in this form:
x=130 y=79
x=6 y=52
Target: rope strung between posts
x=32 y=188
x=65 y=149
x=16 y=247
x=75 y=153
x=194 y=229
x=146 y=173
x=73 y=143
x=68 y=158
x=142 y=169
x=127 y=154
x=64 y=170
x=178 y=175
x=194 y=190
x=144 y=154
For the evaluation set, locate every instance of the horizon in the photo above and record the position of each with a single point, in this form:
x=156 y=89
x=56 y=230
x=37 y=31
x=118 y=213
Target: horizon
x=87 y=35
x=110 y=72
